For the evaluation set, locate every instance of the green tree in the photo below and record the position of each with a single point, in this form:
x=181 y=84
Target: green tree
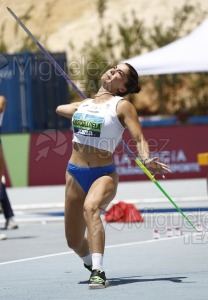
x=98 y=57
x=168 y=87
x=167 y=92
x=132 y=39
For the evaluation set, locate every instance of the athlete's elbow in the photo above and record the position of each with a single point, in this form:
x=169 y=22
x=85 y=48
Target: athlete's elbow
x=58 y=110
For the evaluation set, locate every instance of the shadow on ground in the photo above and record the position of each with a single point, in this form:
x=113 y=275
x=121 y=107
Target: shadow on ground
x=138 y=279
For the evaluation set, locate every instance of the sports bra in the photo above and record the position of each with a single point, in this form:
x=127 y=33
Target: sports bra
x=97 y=124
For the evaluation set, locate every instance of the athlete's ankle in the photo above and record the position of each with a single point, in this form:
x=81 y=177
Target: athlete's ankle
x=97 y=261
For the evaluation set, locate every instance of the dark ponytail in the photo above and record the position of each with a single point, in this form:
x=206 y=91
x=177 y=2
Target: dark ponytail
x=132 y=85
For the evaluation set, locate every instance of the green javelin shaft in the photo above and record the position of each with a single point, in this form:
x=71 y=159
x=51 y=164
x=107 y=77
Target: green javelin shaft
x=140 y=164
x=162 y=190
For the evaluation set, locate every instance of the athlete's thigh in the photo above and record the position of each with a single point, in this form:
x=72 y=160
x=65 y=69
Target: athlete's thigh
x=74 y=200
x=102 y=191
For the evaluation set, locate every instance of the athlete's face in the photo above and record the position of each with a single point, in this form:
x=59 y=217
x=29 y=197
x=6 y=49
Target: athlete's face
x=114 y=79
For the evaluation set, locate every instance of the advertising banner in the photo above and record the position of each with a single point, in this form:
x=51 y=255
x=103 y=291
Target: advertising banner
x=177 y=146
x=41 y=158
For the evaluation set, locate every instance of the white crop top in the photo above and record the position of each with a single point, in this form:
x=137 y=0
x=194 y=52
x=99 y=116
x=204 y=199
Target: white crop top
x=97 y=125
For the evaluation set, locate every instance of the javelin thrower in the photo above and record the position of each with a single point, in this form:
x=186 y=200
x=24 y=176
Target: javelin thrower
x=91 y=177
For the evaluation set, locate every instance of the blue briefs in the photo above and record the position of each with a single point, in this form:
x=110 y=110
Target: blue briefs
x=86 y=176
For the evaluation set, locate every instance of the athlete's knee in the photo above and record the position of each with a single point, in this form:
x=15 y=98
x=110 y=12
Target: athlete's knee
x=90 y=209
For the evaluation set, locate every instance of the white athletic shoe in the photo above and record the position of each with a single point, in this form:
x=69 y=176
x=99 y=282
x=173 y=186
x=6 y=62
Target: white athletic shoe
x=11 y=224
x=2 y=236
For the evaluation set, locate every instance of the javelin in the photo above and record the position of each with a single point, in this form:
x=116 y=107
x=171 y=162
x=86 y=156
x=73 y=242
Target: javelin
x=63 y=73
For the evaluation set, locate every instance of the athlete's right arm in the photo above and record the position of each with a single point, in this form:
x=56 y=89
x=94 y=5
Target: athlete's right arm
x=67 y=110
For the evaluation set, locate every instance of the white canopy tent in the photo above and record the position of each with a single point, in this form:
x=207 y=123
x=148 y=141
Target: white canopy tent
x=186 y=55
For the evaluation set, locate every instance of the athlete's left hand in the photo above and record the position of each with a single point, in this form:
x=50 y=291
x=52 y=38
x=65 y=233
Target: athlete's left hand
x=154 y=166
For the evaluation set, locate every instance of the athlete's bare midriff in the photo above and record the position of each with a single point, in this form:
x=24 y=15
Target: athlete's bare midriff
x=88 y=156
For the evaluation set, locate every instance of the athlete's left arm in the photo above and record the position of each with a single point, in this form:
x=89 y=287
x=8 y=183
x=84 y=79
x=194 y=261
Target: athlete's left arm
x=128 y=116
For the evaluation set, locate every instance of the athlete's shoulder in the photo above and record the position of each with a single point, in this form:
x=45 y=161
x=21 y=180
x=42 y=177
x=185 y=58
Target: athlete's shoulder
x=125 y=106
x=83 y=102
